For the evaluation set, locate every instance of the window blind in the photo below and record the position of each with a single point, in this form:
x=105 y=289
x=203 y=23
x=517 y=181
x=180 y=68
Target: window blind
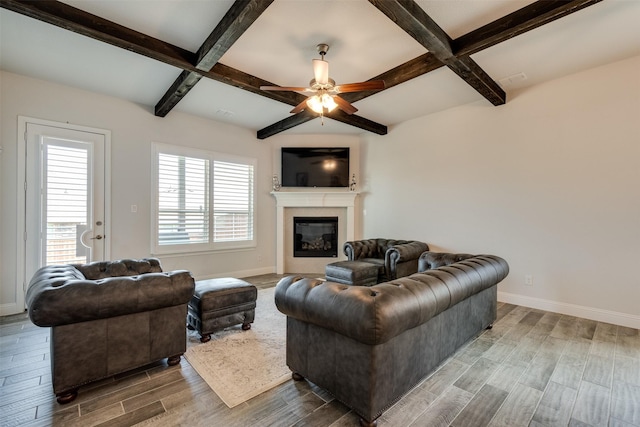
x=232 y=201
x=183 y=200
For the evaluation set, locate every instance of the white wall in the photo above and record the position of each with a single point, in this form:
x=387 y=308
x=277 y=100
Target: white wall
x=550 y=181
x=133 y=128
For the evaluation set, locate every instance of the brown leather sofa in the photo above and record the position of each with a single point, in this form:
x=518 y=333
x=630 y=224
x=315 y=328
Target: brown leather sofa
x=368 y=346
x=394 y=258
x=109 y=317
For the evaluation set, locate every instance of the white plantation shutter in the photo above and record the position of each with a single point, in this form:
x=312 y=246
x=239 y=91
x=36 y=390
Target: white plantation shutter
x=205 y=200
x=183 y=200
x=232 y=201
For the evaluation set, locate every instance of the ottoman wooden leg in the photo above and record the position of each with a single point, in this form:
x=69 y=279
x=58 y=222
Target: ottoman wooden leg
x=173 y=360
x=246 y=326
x=205 y=338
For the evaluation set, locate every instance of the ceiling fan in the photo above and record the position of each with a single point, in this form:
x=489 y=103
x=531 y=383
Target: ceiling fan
x=324 y=89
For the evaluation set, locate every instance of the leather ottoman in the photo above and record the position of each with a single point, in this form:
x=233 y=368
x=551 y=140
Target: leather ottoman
x=357 y=273
x=219 y=303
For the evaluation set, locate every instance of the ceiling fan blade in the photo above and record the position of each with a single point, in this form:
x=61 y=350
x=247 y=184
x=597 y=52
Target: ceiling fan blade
x=357 y=87
x=321 y=71
x=298 y=108
x=286 y=88
x=344 y=105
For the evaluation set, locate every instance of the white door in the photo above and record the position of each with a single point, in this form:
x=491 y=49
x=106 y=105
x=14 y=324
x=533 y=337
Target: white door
x=65 y=219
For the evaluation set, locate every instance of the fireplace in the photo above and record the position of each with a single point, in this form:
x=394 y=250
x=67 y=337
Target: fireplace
x=315 y=236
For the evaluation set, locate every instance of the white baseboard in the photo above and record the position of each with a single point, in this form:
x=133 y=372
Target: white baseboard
x=613 y=317
x=242 y=273
x=9 y=309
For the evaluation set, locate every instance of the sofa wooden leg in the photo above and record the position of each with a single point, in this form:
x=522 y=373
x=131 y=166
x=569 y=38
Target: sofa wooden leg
x=173 y=360
x=67 y=396
x=246 y=326
x=364 y=423
x=296 y=376
x=490 y=326
x=205 y=338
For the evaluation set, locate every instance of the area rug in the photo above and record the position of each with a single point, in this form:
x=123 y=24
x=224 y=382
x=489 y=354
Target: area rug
x=239 y=365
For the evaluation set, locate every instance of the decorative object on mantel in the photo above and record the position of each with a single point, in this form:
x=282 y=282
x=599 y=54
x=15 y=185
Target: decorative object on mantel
x=352 y=186
x=275 y=183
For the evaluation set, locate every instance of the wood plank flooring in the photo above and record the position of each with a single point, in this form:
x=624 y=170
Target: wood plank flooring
x=534 y=368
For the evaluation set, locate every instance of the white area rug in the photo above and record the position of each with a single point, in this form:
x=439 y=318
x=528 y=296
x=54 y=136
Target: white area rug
x=239 y=365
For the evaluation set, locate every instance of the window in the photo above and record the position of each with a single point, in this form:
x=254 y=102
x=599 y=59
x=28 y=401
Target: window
x=204 y=200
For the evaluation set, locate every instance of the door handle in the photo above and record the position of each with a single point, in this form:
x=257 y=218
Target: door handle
x=98 y=237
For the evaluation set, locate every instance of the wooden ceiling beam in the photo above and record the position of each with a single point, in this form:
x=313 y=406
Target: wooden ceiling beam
x=409 y=16
x=306 y=115
x=411 y=69
x=235 y=22
x=522 y=20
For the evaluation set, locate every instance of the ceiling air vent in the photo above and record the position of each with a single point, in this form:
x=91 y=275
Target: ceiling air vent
x=511 y=81
x=224 y=113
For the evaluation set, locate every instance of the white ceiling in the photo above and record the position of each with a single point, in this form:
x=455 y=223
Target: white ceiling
x=280 y=45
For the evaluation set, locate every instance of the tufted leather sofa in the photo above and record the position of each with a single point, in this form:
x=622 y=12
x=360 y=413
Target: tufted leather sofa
x=395 y=258
x=108 y=317
x=368 y=346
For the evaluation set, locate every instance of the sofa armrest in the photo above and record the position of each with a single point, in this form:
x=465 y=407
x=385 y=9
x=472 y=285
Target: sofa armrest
x=57 y=296
x=406 y=251
x=403 y=252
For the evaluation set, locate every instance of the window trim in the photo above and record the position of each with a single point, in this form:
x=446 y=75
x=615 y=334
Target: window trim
x=211 y=156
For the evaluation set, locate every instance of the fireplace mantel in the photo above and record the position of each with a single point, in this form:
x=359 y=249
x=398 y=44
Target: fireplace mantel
x=310 y=199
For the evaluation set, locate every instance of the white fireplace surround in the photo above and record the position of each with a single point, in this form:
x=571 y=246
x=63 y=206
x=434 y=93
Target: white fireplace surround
x=315 y=199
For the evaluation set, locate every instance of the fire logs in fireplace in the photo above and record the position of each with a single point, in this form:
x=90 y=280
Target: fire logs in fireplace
x=315 y=236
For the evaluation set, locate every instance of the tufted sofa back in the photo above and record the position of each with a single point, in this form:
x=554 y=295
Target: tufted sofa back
x=65 y=294
x=433 y=260
x=370 y=248
x=373 y=315
x=126 y=267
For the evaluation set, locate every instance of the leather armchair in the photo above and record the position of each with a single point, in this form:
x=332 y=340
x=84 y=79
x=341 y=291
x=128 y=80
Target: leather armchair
x=395 y=258
x=108 y=317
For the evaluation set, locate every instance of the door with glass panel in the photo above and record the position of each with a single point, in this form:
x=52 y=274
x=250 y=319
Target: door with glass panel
x=65 y=193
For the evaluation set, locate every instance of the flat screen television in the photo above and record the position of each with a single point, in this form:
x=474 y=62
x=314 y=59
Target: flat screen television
x=315 y=167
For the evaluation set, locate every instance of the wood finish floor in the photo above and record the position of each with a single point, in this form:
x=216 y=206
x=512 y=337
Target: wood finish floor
x=534 y=368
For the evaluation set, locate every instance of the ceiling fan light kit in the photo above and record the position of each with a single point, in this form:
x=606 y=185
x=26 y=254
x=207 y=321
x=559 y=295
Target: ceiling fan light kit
x=325 y=97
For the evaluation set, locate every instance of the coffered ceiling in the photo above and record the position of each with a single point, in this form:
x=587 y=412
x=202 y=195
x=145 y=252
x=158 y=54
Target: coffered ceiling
x=209 y=58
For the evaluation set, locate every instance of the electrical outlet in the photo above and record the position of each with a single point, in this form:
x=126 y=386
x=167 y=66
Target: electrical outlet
x=528 y=280
x=259 y=258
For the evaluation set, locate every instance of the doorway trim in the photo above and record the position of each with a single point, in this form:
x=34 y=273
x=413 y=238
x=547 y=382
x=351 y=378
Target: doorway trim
x=21 y=279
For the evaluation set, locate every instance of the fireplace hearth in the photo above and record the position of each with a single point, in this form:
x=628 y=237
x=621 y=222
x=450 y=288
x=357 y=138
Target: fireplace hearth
x=315 y=236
